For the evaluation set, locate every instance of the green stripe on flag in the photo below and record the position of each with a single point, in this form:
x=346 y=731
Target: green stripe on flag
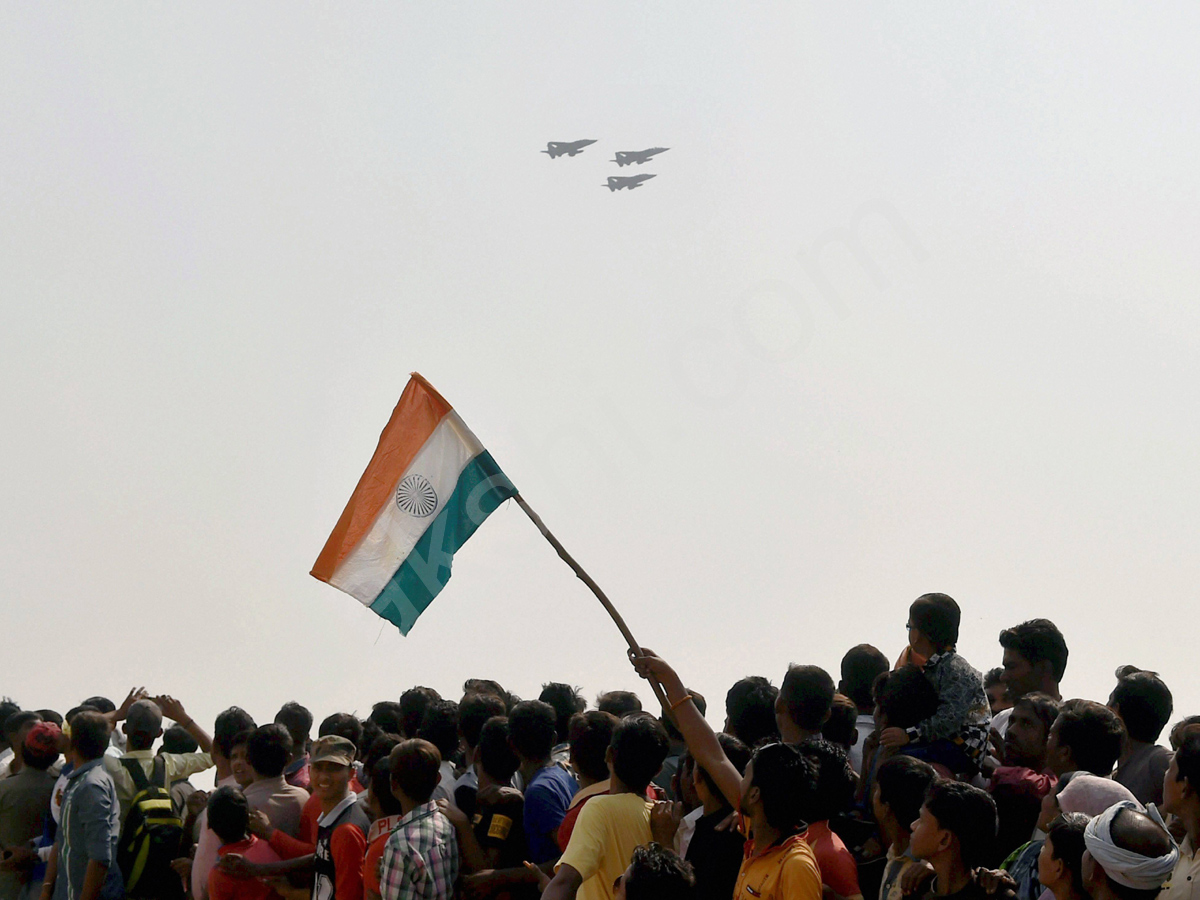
x=481 y=488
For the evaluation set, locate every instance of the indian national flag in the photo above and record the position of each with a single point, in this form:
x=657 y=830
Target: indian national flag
x=428 y=487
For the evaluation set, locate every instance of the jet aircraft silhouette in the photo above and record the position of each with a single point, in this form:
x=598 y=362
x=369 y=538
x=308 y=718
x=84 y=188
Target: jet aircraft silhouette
x=617 y=182
x=558 y=148
x=626 y=157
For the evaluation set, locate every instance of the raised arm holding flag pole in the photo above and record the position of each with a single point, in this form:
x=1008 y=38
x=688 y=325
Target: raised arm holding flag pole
x=428 y=486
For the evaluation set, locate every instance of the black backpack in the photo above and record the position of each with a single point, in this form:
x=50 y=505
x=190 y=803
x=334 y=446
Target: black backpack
x=151 y=836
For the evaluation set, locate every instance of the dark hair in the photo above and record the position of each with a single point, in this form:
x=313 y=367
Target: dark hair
x=17 y=721
x=228 y=814
x=1041 y=705
x=268 y=750
x=860 y=667
x=387 y=715
x=1038 y=640
x=488 y=686
x=89 y=735
x=76 y=710
x=1187 y=759
x=370 y=731
x=784 y=777
x=100 y=704
x=750 y=710
x=640 y=745
x=496 y=756
x=619 y=703
x=230 y=724
x=906 y=697
x=439 y=726
x=50 y=715
x=1143 y=701
x=807 y=693
x=736 y=752
x=1065 y=836
x=343 y=725
x=378 y=749
x=969 y=814
x=836 y=781
x=414 y=766
x=381 y=786
x=903 y=782
x=8 y=707
x=697 y=700
x=1182 y=728
x=531 y=727
x=178 y=739
x=474 y=711
x=1093 y=733
x=413 y=704
x=590 y=734
x=842 y=725
x=656 y=873
x=566 y=700
x=937 y=617
x=298 y=721
x=993 y=677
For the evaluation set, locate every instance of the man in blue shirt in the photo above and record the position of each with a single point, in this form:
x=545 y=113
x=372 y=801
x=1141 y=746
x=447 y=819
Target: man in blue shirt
x=83 y=865
x=548 y=787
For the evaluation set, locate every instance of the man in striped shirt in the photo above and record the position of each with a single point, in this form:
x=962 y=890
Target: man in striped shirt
x=420 y=861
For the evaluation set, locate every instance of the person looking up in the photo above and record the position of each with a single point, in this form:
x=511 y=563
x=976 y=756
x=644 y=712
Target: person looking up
x=803 y=704
x=860 y=667
x=1035 y=659
x=439 y=726
x=997 y=692
x=1181 y=798
x=1128 y=855
x=298 y=721
x=413 y=704
x=548 y=788
x=671 y=764
x=1085 y=736
x=750 y=711
x=1060 y=861
x=611 y=826
x=1143 y=703
x=955 y=736
x=778 y=861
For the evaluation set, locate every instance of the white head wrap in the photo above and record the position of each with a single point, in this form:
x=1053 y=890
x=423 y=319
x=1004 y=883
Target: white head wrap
x=1142 y=873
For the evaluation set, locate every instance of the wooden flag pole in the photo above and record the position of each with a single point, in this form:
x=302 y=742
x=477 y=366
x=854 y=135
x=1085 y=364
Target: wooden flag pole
x=583 y=576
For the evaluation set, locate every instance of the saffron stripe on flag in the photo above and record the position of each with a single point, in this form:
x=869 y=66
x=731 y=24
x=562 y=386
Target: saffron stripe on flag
x=413 y=421
x=481 y=488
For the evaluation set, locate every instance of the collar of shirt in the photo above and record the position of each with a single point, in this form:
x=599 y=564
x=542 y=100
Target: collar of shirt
x=382 y=826
x=331 y=816
x=85 y=768
x=266 y=786
x=600 y=787
x=240 y=847
x=138 y=754
x=293 y=767
x=777 y=847
x=417 y=812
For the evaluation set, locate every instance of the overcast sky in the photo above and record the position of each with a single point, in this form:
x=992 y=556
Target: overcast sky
x=911 y=306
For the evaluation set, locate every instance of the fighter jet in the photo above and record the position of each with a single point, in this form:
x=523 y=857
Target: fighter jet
x=557 y=148
x=625 y=157
x=616 y=182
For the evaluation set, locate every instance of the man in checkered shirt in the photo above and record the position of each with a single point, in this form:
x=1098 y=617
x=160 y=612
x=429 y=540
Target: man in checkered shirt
x=420 y=860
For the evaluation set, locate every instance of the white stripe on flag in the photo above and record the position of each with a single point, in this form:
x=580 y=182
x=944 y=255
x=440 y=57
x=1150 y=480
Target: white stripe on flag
x=371 y=565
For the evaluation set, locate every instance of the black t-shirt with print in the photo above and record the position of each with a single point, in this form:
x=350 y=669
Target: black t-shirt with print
x=499 y=823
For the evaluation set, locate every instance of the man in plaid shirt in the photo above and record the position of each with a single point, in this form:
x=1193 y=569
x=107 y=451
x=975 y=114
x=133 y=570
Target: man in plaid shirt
x=420 y=861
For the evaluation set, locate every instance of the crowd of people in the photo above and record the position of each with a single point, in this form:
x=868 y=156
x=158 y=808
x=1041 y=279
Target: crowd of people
x=924 y=778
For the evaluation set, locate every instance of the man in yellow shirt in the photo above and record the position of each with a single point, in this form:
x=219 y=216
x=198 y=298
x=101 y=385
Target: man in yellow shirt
x=611 y=826
x=779 y=864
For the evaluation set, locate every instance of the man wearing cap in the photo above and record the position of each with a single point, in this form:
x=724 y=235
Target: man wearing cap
x=1129 y=855
x=25 y=804
x=143 y=726
x=341 y=830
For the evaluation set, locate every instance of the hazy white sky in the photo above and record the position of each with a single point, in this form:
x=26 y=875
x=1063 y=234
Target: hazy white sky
x=910 y=306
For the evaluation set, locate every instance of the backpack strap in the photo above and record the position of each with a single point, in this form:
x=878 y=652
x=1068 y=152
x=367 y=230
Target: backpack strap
x=137 y=773
x=159 y=774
